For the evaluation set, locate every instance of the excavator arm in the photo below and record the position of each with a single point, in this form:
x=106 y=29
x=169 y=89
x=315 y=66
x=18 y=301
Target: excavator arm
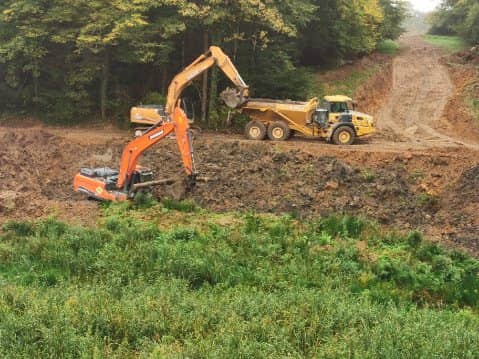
x=214 y=56
x=109 y=184
x=135 y=148
x=150 y=115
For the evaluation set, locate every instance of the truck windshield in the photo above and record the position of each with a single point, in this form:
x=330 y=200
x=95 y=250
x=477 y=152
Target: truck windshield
x=338 y=107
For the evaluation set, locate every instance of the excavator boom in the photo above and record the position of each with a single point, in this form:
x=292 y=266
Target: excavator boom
x=214 y=56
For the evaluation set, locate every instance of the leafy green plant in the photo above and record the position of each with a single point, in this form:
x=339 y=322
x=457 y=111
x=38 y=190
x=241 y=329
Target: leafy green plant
x=19 y=228
x=181 y=206
x=427 y=200
x=388 y=47
x=368 y=176
x=144 y=200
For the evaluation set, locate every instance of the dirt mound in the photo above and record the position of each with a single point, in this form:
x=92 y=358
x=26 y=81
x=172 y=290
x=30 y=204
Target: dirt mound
x=306 y=178
x=458 y=116
x=371 y=95
x=469 y=56
x=460 y=209
x=38 y=168
x=468 y=186
x=263 y=178
x=36 y=174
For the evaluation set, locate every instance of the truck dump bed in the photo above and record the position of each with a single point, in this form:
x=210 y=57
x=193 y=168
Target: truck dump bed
x=296 y=113
x=281 y=105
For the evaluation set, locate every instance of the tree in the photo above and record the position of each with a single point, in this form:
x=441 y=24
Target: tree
x=342 y=29
x=395 y=11
x=75 y=59
x=459 y=17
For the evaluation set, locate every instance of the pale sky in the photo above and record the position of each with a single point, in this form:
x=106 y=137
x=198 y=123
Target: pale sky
x=425 y=5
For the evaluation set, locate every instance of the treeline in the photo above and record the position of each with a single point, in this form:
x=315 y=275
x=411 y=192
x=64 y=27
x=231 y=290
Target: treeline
x=69 y=60
x=457 y=17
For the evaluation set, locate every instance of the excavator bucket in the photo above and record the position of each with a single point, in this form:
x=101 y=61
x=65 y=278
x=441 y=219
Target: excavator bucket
x=232 y=98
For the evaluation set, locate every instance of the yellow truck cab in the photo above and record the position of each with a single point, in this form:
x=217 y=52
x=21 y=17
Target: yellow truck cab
x=335 y=119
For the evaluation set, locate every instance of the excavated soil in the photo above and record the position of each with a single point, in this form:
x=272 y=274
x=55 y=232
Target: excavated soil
x=400 y=180
x=414 y=189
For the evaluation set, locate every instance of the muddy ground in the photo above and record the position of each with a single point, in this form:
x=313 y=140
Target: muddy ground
x=414 y=175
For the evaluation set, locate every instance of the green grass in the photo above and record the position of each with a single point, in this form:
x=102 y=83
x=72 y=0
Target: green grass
x=449 y=43
x=231 y=285
x=388 y=47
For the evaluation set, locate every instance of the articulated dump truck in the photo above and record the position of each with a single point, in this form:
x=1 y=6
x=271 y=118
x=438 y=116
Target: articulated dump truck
x=334 y=119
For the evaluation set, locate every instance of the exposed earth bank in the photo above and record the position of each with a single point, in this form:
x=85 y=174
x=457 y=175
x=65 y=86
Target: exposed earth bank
x=417 y=174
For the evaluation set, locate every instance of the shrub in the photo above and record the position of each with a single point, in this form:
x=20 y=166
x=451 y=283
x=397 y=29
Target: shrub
x=19 y=228
x=181 y=206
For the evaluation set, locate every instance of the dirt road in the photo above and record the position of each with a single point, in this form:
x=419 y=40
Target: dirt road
x=421 y=89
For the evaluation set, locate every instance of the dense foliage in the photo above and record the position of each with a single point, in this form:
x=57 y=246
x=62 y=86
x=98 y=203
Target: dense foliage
x=460 y=17
x=72 y=60
x=231 y=286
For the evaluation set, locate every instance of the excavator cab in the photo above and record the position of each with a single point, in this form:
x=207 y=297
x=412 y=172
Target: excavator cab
x=104 y=182
x=146 y=114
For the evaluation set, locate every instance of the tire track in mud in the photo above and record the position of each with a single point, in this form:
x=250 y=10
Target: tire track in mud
x=421 y=89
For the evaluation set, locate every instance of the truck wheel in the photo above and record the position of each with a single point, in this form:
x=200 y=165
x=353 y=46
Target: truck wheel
x=278 y=131
x=344 y=136
x=255 y=130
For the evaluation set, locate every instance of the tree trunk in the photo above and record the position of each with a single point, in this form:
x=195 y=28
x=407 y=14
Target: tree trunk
x=212 y=108
x=105 y=72
x=164 y=75
x=36 y=80
x=35 y=88
x=204 y=90
x=235 y=43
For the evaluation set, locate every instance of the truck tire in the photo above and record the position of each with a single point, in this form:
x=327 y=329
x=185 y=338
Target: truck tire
x=344 y=136
x=278 y=131
x=255 y=130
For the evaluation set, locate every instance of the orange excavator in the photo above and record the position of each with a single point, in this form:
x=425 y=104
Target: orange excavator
x=118 y=185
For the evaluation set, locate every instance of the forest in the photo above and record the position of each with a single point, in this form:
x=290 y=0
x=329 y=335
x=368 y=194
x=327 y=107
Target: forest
x=457 y=17
x=76 y=60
